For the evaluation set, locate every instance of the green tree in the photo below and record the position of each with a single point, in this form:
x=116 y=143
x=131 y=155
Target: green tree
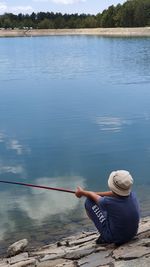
x=127 y=15
x=139 y=15
x=90 y=22
x=7 y=23
x=45 y=24
x=98 y=19
x=117 y=15
x=133 y=13
x=108 y=17
x=147 y=11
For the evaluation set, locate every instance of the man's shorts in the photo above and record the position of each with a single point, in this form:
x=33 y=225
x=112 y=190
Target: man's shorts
x=99 y=218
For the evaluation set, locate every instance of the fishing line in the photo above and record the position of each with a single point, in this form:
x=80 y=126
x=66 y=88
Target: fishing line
x=39 y=186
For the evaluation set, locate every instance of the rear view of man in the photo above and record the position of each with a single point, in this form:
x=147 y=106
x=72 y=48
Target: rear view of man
x=115 y=213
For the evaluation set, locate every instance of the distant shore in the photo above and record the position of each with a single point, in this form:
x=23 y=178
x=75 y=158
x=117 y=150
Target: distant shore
x=112 y=32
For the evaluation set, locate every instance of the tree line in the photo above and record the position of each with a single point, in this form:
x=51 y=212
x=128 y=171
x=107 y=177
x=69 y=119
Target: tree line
x=133 y=13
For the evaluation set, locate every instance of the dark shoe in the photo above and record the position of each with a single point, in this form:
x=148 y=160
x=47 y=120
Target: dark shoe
x=100 y=241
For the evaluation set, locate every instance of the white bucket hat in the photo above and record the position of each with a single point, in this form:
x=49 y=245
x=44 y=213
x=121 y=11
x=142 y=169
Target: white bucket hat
x=120 y=182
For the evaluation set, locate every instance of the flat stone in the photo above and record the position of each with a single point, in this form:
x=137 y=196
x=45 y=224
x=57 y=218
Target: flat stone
x=3 y=263
x=54 y=251
x=145 y=234
x=101 y=258
x=128 y=252
x=17 y=247
x=26 y=263
x=82 y=240
x=77 y=253
x=145 y=242
x=52 y=257
x=144 y=225
x=142 y=262
x=56 y=263
x=18 y=258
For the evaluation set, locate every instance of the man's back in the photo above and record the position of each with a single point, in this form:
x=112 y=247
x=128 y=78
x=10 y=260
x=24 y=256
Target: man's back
x=122 y=216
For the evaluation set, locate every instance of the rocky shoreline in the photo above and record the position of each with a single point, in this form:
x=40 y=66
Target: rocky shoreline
x=112 y=32
x=81 y=250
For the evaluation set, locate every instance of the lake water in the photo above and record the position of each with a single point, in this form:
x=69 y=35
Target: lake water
x=72 y=109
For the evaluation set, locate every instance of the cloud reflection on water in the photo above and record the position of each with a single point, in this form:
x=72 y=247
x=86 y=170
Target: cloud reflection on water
x=38 y=204
x=113 y=124
x=13 y=144
x=7 y=162
x=43 y=203
x=16 y=146
x=14 y=169
x=2 y=137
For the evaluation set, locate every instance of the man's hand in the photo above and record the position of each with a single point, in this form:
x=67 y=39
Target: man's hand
x=79 y=192
x=92 y=195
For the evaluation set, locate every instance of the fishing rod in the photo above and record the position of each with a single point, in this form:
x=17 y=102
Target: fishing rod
x=39 y=186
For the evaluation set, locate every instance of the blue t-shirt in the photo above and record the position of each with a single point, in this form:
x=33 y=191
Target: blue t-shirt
x=122 y=216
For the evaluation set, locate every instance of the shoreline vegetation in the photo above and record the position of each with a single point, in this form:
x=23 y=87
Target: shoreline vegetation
x=112 y=32
x=132 y=13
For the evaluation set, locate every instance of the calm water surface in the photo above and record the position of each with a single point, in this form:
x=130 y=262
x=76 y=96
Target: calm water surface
x=72 y=109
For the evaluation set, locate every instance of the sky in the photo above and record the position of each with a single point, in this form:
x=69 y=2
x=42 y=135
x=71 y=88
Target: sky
x=63 y=6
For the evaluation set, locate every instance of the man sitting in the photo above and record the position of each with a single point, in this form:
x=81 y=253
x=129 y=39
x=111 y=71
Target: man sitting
x=115 y=213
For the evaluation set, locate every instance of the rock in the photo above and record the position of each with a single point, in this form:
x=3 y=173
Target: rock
x=96 y=259
x=142 y=262
x=62 y=243
x=17 y=247
x=26 y=263
x=3 y=263
x=82 y=240
x=131 y=251
x=18 y=258
x=56 y=263
x=77 y=253
x=82 y=251
x=51 y=251
x=144 y=225
x=52 y=256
